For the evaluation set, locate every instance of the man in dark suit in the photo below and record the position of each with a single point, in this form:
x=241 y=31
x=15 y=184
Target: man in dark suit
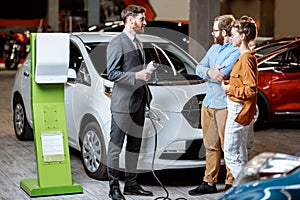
x=130 y=95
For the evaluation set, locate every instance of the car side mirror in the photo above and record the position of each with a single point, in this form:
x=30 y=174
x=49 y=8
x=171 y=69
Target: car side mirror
x=71 y=75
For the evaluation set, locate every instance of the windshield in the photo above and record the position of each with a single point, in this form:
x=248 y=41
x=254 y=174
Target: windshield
x=174 y=64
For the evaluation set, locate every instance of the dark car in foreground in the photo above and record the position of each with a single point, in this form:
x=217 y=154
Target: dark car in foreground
x=278 y=85
x=267 y=176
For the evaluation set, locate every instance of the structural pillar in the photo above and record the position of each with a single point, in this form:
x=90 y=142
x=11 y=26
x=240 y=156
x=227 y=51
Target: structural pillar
x=93 y=11
x=202 y=14
x=53 y=14
x=267 y=8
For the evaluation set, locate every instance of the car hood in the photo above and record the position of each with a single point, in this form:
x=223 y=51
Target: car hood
x=172 y=97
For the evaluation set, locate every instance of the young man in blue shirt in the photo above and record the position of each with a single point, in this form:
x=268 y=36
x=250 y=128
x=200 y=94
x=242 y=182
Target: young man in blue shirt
x=215 y=67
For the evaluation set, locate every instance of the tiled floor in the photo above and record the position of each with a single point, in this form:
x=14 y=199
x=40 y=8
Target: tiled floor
x=18 y=160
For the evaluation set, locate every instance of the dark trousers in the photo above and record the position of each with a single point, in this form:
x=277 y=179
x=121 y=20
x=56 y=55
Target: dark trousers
x=131 y=126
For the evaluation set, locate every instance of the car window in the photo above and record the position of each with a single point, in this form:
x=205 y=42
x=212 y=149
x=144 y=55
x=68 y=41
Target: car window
x=83 y=75
x=174 y=64
x=97 y=53
x=78 y=64
x=293 y=60
x=75 y=58
x=171 y=62
x=288 y=61
x=293 y=56
x=268 y=48
x=274 y=62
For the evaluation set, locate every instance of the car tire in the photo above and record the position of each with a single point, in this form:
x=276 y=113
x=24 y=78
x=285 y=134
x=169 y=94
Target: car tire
x=261 y=120
x=93 y=152
x=22 y=128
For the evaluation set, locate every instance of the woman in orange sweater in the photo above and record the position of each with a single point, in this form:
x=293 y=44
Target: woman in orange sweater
x=241 y=90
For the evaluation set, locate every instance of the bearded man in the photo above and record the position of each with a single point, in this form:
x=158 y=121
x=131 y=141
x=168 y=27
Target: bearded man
x=215 y=67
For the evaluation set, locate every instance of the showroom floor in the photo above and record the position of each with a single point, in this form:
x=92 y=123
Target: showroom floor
x=18 y=160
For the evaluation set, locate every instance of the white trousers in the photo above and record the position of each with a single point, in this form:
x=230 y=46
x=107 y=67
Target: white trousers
x=235 y=139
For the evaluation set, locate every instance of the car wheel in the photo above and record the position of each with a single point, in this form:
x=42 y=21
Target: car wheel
x=22 y=128
x=93 y=152
x=261 y=121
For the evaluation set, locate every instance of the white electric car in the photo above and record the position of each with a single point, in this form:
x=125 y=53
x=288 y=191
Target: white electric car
x=172 y=124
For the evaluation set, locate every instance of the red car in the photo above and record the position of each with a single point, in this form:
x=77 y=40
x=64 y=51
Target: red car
x=279 y=84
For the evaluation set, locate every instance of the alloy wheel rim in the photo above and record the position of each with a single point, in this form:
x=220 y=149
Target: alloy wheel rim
x=19 y=119
x=91 y=151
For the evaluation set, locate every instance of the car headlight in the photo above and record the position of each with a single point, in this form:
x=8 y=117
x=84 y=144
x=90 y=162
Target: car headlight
x=267 y=165
x=108 y=91
x=192 y=111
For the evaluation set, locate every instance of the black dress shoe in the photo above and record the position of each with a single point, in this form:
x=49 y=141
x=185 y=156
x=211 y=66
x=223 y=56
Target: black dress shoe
x=204 y=188
x=136 y=190
x=115 y=193
x=227 y=187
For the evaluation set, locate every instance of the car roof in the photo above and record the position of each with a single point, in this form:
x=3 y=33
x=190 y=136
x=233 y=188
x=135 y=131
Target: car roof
x=96 y=37
x=278 y=40
x=278 y=51
x=118 y=26
x=282 y=42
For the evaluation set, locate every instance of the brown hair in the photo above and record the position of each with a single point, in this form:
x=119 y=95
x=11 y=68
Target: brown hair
x=225 y=22
x=247 y=26
x=131 y=10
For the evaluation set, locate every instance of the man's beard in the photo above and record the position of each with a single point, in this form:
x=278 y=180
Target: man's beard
x=219 y=39
x=138 y=29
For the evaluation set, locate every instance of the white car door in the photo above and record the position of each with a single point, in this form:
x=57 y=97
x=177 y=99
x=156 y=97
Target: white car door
x=76 y=95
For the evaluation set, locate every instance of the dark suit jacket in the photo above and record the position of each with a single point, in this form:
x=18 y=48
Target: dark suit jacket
x=123 y=60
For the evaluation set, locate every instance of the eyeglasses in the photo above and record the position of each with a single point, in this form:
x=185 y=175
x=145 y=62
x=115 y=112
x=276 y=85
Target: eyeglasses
x=216 y=30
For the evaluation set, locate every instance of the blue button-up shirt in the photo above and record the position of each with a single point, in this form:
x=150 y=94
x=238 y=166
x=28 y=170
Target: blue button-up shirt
x=218 y=55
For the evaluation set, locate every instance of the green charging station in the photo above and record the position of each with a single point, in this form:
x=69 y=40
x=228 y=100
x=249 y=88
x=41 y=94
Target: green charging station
x=49 y=72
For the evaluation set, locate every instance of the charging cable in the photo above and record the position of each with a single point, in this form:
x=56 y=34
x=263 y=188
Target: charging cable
x=152 y=167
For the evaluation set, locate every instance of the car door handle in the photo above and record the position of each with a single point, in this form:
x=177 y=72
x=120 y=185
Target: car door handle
x=26 y=74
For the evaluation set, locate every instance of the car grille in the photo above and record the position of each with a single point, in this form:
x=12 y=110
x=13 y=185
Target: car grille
x=194 y=151
x=192 y=111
